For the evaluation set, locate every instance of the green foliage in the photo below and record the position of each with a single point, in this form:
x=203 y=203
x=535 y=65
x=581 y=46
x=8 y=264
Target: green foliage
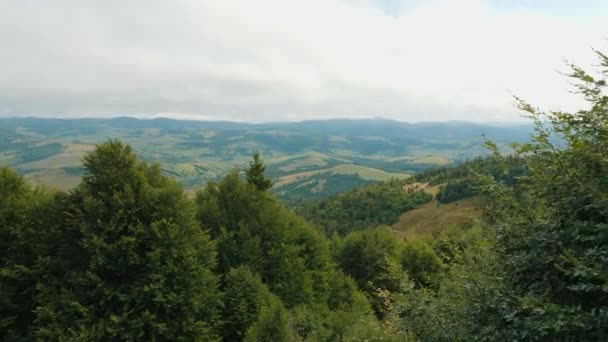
x=23 y=214
x=373 y=205
x=272 y=324
x=253 y=229
x=421 y=263
x=457 y=190
x=371 y=257
x=132 y=264
x=506 y=169
x=244 y=296
x=466 y=306
x=538 y=269
x=552 y=230
x=122 y=257
x=255 y=174
x=126 y=256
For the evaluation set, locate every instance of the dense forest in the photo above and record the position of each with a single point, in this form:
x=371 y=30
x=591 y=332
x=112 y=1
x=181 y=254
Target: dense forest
x=361 y=208
x=127 y=256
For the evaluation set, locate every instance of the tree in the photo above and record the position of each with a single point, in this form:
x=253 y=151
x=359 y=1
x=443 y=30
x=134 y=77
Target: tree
x=468 y=304
x=421 y=263
x=361 y=208
x=244 y=297
x=255 y=230
x=24 y=243
x=255 y=174
x=552 y=230
x=132 y=264
x=371 y=257
x=272 y=324
x=540 y=273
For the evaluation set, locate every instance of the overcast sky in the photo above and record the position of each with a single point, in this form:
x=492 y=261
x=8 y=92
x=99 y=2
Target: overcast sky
x=293 y=60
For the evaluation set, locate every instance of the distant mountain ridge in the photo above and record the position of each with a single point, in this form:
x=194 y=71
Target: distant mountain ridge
x=308 y=159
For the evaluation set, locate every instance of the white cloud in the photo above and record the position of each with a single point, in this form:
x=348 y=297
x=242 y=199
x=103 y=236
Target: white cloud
x=286 y=60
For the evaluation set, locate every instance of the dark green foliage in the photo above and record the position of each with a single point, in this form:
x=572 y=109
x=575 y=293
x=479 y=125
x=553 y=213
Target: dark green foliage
x=421 y=263
x=462 y=181
x=122 y=258
x=272 y=324
x=371 y=257
x=467 y=304
x=538 y=269
x=552 y=229
x=126 y=256
x=293 y=260
x=23 y=214
x=132 y=264
x=255 y=174
x=379 y=203
x=457 y=190
x=244 y=296
x=507 y=169
x=253 y=229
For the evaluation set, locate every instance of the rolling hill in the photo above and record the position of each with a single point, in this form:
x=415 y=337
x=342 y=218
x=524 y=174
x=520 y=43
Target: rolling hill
x=310 y=159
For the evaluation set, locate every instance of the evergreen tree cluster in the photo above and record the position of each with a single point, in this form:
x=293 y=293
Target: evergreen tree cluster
x=126 y=256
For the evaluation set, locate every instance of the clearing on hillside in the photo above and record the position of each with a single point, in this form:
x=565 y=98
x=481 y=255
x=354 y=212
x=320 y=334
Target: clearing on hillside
x=434 y=216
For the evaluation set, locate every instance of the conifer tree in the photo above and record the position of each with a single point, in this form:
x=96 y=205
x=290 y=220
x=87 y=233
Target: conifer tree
x=255 y=174
x=133 y=263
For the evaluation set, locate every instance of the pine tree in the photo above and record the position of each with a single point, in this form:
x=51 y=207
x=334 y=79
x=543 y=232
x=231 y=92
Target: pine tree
x=133 y=263
x=255 y=174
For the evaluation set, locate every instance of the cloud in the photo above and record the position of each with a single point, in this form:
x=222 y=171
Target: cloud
x=287 y=60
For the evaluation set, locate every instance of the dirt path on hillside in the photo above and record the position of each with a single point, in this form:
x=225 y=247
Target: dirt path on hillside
x=426 y=187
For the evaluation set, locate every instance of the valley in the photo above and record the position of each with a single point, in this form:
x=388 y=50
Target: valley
x=306 y=160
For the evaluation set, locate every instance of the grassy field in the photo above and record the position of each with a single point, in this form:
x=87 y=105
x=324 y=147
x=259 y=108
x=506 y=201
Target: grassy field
x=434 y=217
x=307 y=159
x=365 y=172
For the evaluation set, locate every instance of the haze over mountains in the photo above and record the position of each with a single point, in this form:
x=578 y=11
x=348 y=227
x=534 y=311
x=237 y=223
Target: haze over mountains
x=306 y=159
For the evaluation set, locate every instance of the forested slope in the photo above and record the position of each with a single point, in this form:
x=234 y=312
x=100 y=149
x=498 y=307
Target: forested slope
x=378 y=204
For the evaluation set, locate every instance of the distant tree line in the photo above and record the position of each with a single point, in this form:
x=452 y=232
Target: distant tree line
x=377 y=204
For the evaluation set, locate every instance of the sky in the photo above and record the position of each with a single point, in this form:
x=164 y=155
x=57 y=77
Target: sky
x=282 y=60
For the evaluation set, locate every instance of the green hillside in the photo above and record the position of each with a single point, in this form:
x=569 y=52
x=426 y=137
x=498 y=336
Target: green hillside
x=311 y=159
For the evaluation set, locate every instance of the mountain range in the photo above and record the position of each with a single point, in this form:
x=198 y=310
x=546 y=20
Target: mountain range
x=308 y=159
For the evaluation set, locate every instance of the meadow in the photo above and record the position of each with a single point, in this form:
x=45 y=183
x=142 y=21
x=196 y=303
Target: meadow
x=307 y=160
